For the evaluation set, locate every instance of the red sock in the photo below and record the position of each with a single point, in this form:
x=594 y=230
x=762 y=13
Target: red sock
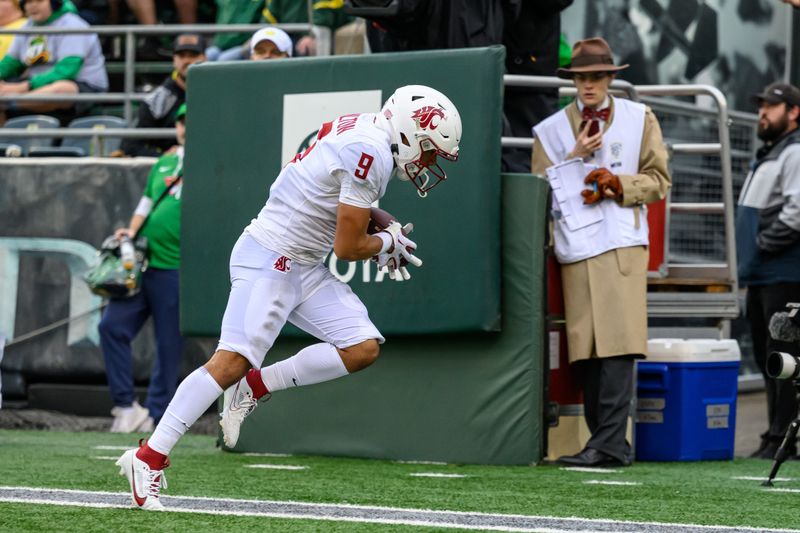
x=154 y=459
x=253 y=378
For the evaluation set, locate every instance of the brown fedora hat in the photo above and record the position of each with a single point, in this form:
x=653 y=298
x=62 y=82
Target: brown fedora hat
x=590 y=55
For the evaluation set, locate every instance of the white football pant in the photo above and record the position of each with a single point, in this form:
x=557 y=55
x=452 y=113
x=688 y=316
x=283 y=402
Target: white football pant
x=267 y=289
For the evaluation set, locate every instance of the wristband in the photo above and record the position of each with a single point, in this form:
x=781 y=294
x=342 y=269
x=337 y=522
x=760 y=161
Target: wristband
x=388 y=241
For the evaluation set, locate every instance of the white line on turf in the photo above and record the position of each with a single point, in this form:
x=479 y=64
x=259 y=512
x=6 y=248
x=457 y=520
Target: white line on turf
x=423 y=523
x=762 y=478
x=772 y=489
x=592 y=470
x=113 y=447
x=265 y=454
x=105 y=458
x=607 y=482
x=278 y=467
x=435 y=474
x=420 y=462
x=84 y=499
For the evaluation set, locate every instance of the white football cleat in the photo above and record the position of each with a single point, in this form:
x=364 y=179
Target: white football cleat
x=145 y=483
x=238 y=403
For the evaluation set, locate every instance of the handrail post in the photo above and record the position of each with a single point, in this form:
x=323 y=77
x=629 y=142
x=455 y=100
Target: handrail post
x=130 y=64
x=727 y=181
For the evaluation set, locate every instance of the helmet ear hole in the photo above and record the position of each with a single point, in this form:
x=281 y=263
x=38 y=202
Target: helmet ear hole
x=404 y=139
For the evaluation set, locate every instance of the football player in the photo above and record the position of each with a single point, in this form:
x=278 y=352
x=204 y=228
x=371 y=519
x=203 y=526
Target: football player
x=320 y=201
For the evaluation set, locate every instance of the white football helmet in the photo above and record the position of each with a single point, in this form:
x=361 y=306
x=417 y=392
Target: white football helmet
x=423 y=124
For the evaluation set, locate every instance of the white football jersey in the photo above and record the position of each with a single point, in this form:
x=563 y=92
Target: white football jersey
x=350 y=162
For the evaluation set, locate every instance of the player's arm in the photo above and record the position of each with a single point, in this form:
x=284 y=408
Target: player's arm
x=352 y=243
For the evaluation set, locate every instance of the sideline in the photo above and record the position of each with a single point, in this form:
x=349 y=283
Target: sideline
x=359 y=513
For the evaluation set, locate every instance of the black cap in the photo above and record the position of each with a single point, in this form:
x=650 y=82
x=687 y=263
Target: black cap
x=778 y=92
x=189 y=42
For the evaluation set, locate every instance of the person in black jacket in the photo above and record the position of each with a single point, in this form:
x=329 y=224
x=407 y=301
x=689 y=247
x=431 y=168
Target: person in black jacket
x=530 y=32
x=768 y=245
x=158 y=110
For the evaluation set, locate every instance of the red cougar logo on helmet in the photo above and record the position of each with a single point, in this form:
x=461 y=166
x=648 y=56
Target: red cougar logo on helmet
x=426 y=114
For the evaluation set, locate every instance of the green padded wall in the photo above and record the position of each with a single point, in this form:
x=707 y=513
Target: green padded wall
x=457 y=398
x=245 y=117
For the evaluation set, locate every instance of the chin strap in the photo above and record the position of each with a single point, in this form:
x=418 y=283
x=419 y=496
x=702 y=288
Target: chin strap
x=420 y=192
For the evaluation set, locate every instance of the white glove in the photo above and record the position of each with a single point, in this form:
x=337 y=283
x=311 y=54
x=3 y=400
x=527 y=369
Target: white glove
x=400 y=249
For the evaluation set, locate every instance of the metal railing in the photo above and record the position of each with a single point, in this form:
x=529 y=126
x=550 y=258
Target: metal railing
x=130 y=32
x=680 y=304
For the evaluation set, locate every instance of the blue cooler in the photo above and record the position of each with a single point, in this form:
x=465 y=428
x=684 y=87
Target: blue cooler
x=686 y=400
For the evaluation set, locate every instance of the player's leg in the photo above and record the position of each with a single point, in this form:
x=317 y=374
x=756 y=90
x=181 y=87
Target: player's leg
x=258 y=306
x=121 y=322
x=334 y=314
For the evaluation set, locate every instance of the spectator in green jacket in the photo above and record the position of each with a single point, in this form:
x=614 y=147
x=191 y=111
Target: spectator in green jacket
x=327 y=13
x=233 y=12
x=231 y=47
x=51 y=63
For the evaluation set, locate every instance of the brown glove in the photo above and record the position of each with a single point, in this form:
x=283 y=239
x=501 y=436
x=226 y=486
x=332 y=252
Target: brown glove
x=604 y=185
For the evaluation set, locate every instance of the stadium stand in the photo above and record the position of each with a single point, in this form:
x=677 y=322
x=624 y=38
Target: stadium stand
x=130 y=82
x=29 y=122
x=85 y=146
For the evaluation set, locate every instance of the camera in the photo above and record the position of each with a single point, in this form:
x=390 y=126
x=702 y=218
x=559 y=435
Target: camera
x=782 y=365
x=785 y=326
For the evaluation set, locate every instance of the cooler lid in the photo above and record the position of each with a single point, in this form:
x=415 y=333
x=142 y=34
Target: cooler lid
x=693 y=350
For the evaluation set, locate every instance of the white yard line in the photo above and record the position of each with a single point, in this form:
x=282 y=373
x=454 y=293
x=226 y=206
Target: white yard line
x=590 y=469
x=277 y=467
x=436 y=474
x=607 y=482
x=762 y=478
x=122 y=448
x=439 y=463
x=359 y=513
x=105 y=458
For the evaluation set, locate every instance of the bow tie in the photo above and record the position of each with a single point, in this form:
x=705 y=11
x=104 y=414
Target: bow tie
x=594 y=114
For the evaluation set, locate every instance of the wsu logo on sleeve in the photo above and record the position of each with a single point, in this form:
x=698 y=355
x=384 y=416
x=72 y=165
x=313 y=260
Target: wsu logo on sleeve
x=425 y=116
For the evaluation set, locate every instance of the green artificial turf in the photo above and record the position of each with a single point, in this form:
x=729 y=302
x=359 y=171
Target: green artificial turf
x=696 y=493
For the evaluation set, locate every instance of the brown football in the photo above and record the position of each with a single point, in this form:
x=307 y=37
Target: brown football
x=379 y=220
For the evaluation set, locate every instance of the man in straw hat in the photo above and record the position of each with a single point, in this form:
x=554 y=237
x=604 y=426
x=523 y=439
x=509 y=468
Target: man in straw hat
x=604 y=263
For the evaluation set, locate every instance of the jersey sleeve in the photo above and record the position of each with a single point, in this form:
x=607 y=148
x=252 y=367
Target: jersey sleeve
x=364 y=174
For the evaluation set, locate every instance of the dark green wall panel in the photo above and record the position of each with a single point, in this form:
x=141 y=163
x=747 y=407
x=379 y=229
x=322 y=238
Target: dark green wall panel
x=235 y=124
x=460 y=399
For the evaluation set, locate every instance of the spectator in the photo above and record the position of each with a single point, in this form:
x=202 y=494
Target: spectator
x=532 y=38
x=158 y=109
x=266 y=43
x=11 y=18
x=604 y=264
x=270 y=43
x=328 y=14
x=53 y=63
x=145 y=11
x=233 y=12
x=768 y=246
x=123 y=318
x=530 y=31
